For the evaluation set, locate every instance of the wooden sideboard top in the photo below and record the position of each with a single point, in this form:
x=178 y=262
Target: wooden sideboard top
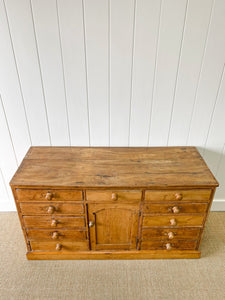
x=109 y=167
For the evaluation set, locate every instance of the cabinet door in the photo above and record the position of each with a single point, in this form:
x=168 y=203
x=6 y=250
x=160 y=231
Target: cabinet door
x=113 y=226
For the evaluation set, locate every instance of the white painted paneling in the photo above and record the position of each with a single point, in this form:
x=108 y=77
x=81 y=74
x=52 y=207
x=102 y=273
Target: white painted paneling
x=168 y=57
x=96 y=25
x=10 y=90
x=122 y=23
x=73 y=51
x=8 y=162
x=6 y=203
x=4 y=198
x=146 y=36
x=220 y=174
x=131 y=72
x=195 y=35
x=21 y=27
x=49 y=48
x=214 y=143
x=209 y=84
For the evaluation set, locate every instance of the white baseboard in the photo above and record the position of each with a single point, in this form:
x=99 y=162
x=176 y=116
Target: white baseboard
x=218 y=205
x=7 y=206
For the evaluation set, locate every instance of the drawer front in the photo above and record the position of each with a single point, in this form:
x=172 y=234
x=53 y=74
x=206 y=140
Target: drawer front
x=134 y=196
x=48 y=195
x=57 y=222
x=175 y=245
x=173 y=221
x=56 y=235
x=175 y=208
x=178 y=195
x=51 y=209
x=170 y=234
x=59 y=246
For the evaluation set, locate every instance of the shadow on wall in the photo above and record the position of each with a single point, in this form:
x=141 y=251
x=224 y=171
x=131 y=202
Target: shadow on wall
x=216 y=162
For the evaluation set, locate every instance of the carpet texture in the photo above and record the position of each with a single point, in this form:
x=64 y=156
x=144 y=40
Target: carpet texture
x=202 y=278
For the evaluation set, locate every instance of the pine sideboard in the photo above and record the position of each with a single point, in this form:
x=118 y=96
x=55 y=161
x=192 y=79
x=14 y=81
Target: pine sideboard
x=113 y=203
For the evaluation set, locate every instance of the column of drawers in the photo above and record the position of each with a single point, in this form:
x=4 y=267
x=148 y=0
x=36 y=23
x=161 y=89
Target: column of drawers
x=53 y=220
x=173 y=219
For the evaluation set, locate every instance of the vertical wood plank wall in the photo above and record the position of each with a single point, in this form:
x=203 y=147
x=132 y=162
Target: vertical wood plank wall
x=112 y=73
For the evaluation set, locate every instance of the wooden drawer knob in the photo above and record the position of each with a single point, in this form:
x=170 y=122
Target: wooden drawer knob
x=54 y=223
x=170 y=235
x=58 y=247
x=114 y=196
x=51 y=209
x=178 y=196
x=55 y=235
x=168 y=246
x=175 y=209
x=48 y=196
x=173 y=222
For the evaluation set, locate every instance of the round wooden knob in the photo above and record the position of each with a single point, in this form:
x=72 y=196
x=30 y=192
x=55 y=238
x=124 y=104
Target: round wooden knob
x=114 y=196
x=175 y=210
x=58 y=247
x=173 y=222
x=170 y=235
x=168 y=246
x=178 y=196
x=54 y=223
x=55 y=235
x=51 y=209
x=48 y=196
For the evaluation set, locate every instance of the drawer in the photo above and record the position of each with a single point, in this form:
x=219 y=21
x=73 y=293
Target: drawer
x=174 y=245
x=170 y=234
x=178 y=195
x=59 y=246
x=56 y=235
x=175 y=208
x=48 y=195
x=51 y=208
x=133 y=196
x=57 y=222
x=173 y=221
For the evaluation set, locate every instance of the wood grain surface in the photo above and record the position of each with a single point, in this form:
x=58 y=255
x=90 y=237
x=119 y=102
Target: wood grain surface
x=181 y=208
x=65 y=246
x=60 y=222
x=51 y=234
x=81 y=202
x=163 y=233
x=41 y=195
x=113 y=167
x=175 y=245
x=179 y=195
x=189 y=220
x=51 y=209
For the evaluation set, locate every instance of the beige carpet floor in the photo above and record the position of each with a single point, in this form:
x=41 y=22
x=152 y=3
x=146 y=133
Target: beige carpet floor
x=120 y=279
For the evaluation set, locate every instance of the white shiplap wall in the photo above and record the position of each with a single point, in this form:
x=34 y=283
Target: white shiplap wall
x=111 y=72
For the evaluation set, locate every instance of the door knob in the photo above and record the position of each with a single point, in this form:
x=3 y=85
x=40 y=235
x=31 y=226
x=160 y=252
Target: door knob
x=91 y=223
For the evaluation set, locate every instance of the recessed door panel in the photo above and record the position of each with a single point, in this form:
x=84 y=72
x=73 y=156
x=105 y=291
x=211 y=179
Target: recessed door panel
x=113 y=226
